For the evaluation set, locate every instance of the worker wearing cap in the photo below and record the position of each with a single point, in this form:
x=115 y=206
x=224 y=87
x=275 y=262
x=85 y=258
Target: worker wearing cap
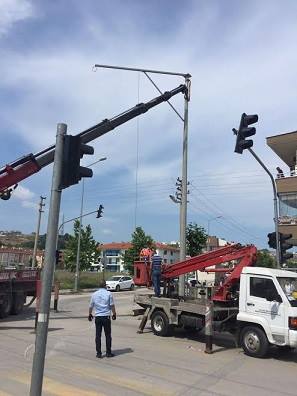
x=156 y=273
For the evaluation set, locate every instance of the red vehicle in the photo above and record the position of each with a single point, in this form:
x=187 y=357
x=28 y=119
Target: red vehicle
x=15 y=287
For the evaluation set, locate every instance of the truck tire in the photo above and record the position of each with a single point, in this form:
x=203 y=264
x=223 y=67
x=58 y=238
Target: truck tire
x=160 y=324
x=18 y=303
x=6 y=306
x=254 y=341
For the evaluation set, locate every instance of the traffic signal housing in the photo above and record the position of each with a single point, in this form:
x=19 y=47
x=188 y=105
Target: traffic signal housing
x=245 y=131
x=272 y=240
x=99 y=211
x=73 y=151
x=284 y=246
x=59 y=257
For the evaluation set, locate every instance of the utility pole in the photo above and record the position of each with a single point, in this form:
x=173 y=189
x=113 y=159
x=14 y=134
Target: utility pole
x=48 y=271
x=184 y=189
x=40 y=211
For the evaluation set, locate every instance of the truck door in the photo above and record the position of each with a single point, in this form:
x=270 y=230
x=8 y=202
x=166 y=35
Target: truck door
x=259 y=290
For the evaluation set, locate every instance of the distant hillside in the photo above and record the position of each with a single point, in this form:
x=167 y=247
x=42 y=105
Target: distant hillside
x=17 y=238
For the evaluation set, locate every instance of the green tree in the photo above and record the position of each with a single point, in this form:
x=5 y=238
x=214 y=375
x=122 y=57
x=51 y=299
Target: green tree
x=139 y=241
x=264 y=259
x=89 y=248
x=196 y=238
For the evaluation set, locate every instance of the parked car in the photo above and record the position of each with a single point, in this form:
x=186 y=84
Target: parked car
x=120 y=282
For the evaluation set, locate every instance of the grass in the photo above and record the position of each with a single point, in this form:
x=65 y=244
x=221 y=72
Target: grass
x=87 y=280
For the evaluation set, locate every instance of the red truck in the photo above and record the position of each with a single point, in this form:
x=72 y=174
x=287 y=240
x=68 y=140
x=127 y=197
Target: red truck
x=15 y=287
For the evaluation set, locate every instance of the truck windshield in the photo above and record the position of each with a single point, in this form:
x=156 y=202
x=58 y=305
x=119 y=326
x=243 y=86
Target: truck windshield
x=289 y=286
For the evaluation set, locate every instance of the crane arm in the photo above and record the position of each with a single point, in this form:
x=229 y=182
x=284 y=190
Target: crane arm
x=239 y=256
x=26 y=166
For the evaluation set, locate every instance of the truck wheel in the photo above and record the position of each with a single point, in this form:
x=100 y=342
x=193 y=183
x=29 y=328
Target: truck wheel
x=160 y=324
x=254 y=341
x=6 y=306
x=18 y=303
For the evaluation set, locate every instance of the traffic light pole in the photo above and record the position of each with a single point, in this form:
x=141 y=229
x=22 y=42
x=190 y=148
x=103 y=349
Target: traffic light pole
x=76 y=279
x=48 y=271
x=275 y=207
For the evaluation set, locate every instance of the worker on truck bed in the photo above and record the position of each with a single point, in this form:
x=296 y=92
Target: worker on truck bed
x=156 y=273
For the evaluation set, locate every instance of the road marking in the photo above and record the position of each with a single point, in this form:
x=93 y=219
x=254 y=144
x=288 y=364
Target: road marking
x=56 y=388
x=122 y=382
x=2 y=393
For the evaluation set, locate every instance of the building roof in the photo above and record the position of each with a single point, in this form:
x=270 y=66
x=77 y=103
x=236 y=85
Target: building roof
x=285 y=146
x=127 y=245
x=116 y=246
x=4 y=249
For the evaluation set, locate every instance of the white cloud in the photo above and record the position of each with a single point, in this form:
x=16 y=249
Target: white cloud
x=13 y=11
x=23 y=193
x=107 y=231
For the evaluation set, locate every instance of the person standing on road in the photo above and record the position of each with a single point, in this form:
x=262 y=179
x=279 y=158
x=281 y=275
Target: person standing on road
x=102 y=301
x=156 y=273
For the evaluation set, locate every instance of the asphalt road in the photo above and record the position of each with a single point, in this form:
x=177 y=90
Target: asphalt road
x=144 y=364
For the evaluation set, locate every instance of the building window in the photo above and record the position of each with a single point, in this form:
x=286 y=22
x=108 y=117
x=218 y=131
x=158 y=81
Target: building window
x=165 y=261
x=171 y=253
x=288 y=208
x=171 y=261
x=165 y=252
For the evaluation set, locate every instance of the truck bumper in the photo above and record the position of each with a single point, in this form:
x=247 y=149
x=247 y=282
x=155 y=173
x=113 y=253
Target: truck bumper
x=293 y=338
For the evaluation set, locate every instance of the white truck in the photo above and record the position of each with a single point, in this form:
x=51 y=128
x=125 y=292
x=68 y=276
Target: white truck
x=257 y=305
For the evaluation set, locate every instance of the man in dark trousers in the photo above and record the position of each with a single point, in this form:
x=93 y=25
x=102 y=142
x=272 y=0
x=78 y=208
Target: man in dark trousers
x=156 y=273
x=102 y=301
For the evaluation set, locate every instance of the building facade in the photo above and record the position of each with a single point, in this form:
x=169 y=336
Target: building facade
x=112 y=255
x=285 y=146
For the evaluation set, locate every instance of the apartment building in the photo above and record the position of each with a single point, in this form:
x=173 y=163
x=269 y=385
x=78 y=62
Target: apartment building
x=112 y=254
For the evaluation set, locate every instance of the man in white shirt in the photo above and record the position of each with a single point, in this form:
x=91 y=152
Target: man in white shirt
x=102 y=301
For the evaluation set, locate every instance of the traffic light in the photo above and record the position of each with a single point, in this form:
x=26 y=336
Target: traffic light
x=272 y=240
x=100 y=211
x=73 y=151
x=285 y=246
x=245 y=131
x=59 y=257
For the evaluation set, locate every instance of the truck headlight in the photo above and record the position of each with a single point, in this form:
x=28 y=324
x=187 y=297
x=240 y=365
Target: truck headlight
x=292 y=323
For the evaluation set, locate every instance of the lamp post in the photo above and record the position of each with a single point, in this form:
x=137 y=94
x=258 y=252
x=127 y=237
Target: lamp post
x=76 y=279
x=208 y=227
x=184 y=119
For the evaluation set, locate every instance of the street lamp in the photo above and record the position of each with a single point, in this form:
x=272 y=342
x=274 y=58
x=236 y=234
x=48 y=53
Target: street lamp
x=76 y=279
x=208 y=226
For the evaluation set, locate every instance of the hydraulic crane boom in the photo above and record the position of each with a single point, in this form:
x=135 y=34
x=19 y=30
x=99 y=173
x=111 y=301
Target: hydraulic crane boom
x=26 y=166
x=236 y=255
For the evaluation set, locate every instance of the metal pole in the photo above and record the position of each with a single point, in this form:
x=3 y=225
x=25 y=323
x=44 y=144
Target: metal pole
x=50 y=248
x=183 y=206
x=76 y=279
x=274 y=205
x=41 y=204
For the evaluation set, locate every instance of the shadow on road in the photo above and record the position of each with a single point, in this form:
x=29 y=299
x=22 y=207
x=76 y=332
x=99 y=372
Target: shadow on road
x=122 y=351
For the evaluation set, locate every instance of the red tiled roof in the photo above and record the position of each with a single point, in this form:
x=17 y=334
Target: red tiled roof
x=127 y=245
x=115 y=245
x=19 y=251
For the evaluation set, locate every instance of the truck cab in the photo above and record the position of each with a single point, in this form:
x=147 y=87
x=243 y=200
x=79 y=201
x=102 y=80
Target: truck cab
x=267 y=309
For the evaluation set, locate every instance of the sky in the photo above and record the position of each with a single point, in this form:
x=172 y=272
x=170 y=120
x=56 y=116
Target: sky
x=242 y=58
